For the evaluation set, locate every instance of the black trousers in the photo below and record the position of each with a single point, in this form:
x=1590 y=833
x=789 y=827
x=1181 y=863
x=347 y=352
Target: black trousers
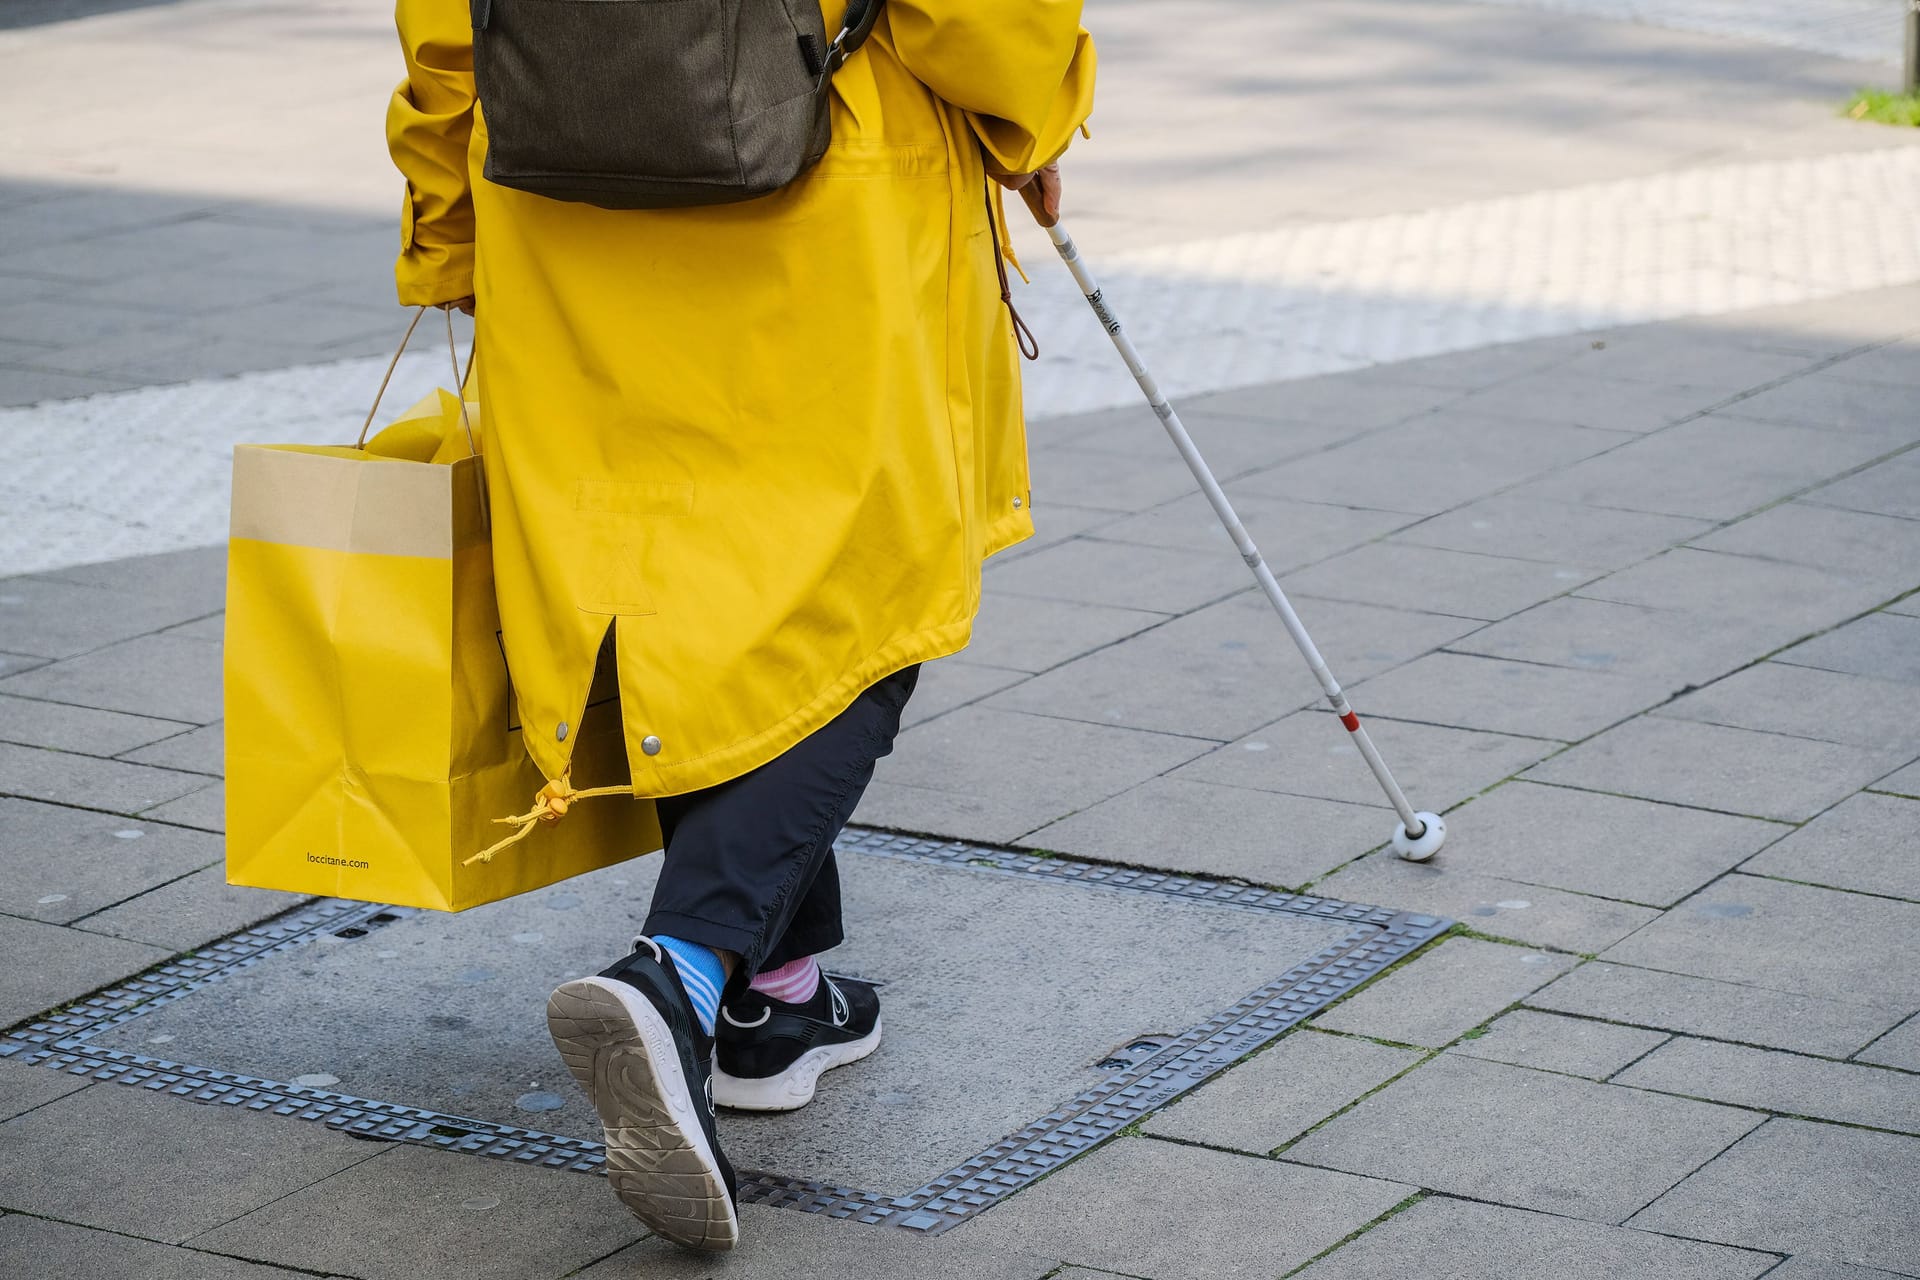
x=749 y=864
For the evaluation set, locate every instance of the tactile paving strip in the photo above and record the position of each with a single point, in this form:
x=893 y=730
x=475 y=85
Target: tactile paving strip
x=1153 y=1075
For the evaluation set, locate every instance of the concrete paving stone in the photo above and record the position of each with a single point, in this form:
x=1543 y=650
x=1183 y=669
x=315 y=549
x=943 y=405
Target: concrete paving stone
x=1807 y=702
x=1754 y=463
x=63 y=777
x=1897 y=364
x=1709 y=766
x=1358 y=402
x=43 y=966
x=1174 y=1212
x=1449 y=990
x=1659 y=649
x=1179 y=824
x=1097 y=479
x=1768 y=599
x=1309 y=753
x=24 y=1087
x=1462 y=583
x=322 y=326
x=61 y=619
x=1809 y=1267
x=1790 y=937
x=58 y=864
x=14 y=663
x=418 y=1213
x=59 y=1249
x=163 y=676
x=1471 y=691
x=32 y=723
x=146 y=1164
x=199 y=750
x=197 y=577
x=948 y=684
x=25 y=385
x=1570 y=1046
x=1667 y=355
x=1890 y=488
x=211 y=628
x=1281 y=1092
x=1827 y=403
x=1232 y=443
x=59 y=321
x=1900 y=1047
x=1612 y=846
x=1770 y=1080
x=1903 y=782
x=1526 y=1138
x=1431 y=464
x=1907 y=606
x=1861 y=545
x=192 y=911
x=1512 y=524
x=1864 y=843
x=987 y=774
x=1884 y=645
x=1022 y=633
x=1484 y=366
x=1290 y=534
x=1121 y=575
x=205 y=809
x=778 y=1244
x=1461 y=1240
x=1735 y=1011
x=1574 y=397
x=1796 y=1187
x=1527 y=913
x=1053 y=524
x=1222 y=671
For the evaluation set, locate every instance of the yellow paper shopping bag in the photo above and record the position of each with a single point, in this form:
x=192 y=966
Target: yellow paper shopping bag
x=371 y=737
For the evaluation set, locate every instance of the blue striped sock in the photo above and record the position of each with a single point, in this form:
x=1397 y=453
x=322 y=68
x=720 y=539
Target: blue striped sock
x=701 y=973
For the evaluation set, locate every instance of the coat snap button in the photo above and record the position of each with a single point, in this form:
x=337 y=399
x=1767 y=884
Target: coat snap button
x=1016 y=504
x=650 y=745
x=560 y=734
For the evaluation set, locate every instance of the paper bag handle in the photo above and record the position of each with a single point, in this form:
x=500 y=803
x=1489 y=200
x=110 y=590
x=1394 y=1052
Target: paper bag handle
x=459 y=380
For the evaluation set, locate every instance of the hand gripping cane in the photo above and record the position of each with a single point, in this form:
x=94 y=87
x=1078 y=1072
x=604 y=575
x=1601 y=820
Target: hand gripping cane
x=1419 y=835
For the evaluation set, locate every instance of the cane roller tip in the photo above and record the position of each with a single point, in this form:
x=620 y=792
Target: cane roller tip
x=1419 y=848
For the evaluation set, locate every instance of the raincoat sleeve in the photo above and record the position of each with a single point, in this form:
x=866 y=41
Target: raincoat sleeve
x=1022 y=70
x=429 y=123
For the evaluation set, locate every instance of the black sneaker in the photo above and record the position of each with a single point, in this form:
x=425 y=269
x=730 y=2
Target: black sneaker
x=631 y=1039
x=772 y=1054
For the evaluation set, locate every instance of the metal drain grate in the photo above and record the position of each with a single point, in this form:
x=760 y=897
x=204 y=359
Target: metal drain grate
x=1146 y=1074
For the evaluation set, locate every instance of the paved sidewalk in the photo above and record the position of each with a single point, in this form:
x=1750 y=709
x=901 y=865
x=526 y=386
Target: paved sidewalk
x=1636 y=602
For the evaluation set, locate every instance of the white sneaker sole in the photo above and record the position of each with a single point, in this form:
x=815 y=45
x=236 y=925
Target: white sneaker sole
x=792 y=1088
x=658 y=1159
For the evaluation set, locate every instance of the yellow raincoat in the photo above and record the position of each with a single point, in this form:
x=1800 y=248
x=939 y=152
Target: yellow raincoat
x=770 y=443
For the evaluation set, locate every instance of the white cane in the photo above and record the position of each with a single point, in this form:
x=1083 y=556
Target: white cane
x=1419 y=835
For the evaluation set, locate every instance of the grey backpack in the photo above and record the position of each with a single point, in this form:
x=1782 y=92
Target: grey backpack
x=654 y=104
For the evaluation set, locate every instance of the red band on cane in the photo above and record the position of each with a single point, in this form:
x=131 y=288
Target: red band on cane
x=1352 y=722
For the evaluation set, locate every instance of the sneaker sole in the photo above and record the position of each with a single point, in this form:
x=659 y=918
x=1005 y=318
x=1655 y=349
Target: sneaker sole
x=658 y=1159
x=794 y=1087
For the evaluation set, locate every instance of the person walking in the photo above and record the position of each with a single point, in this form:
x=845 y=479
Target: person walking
x=755 y=454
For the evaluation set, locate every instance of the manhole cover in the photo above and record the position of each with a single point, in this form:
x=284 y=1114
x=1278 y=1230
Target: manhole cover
x=1033 y=1007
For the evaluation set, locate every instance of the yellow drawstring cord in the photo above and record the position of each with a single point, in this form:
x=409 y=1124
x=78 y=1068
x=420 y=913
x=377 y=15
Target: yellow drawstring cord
x=549 y=806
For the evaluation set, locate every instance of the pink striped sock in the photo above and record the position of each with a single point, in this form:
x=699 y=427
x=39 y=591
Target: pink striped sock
x=792 y=983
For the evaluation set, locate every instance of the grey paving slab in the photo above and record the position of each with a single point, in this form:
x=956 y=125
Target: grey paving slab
x=1574 y=396
x=58 y=864
x=1233 y=443
x=1280 y=1093
x=205 y=809
x=1807 y=702
x=1121 y=576
x=1448 y=990
x=1182 y=1213
x=1768 y=599
x=1462 y=583
x=200 y=750
x=56 y=619
x=36 y=1247
x=1463 y=371
x=1180 y=824
x=23 y=1087
x=1289 y=533
x=197 y=578
x=191 y=911
x=14 y=663
x=1471 y=691
x=1883 y=645
x=1771 y=1080
x=1513 y=524
x=1461 y=1240
x=1105 y=481
x=957 y=1070
x=419 y=1213
x=1827 y=403
x=779 y=1245
x=1362 y=402
x=64 y=777
x=1671 y=356
x=1863 y=843
x=1506 y=908
x=164 y=676
x=1038 y=770
x=1571 y=1046
x=1053 y=524
x=944 y=686
x=1896 y=363
x=1900 y=1047
x=1723 y=1010
x=1764 y=775
x=1754 y=463
x=212 y=628
x=1527 y=1138
x=1790 y=937
x=1874 y=548
x=1658 y=649
x=1022 y=633
x=145 y=1164
x=1223 y=671
x=1810 y=1267
x=1903 y=782
x=1801 y=1188
x=1613 y=846
x=46 y=965
x=33 y=723
x=1890 y=488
